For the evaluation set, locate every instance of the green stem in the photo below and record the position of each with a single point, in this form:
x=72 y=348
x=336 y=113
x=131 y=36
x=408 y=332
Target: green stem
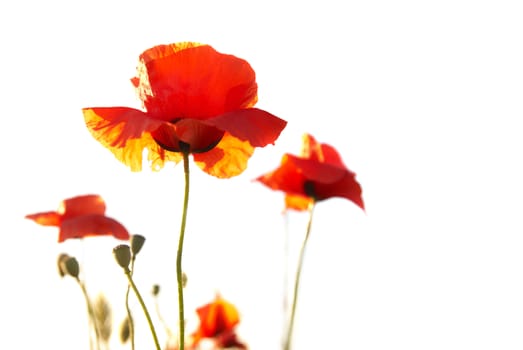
x=288 y=337
x=142 y=303
x=92 y=318
x=179 y=272
x=129 y=315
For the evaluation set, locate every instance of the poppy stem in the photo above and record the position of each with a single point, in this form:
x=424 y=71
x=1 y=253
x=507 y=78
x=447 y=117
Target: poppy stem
x=129 y=314
x=92 y=318
x=179 y=271
x=288 y=336
x=142 y=303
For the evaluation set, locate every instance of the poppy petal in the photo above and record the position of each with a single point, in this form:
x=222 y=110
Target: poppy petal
x=91 y=225
x=321 y=152
x=216 y=318
x=50 y=218
x=229 y=158
x=347 y=188
x=202 y=81
x=257 y=126
x=297 y=202
x=286 y=178
x=82 y=205
x=317 y=171
x=124 y=131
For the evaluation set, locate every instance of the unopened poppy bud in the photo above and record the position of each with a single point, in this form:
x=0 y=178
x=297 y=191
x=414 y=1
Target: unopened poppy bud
x=122 y=254
x=60 y=263
x=125 y=330
x=156 y=290
x=137 y=242
x=71 y=266
x=184 y=279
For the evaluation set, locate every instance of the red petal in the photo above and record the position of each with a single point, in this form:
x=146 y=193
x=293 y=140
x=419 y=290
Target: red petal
x=286 y=178
x=321 y=152
x=50 y=218
x=92 y=225
x=347 y=188
x=189 y=80
x=114 y=126
x=124 y=131
x=216 y=318
x=257 y=126
x=82 y=205
x=317 y=171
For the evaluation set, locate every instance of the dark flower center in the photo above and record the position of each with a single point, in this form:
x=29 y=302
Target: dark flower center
x=188 y=135
x=309 y=189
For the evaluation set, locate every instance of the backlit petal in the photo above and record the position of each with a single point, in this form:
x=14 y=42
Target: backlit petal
x=124 y=131
x=347 y=187
x=190 y=80
x=229 y=158
x=321 y=152
x=286 y=178
x=50 y=218
x=82 y=205
x=216 y=318
x=257 y=126
x=92 y=225
x=296 y=202
x=316 y=171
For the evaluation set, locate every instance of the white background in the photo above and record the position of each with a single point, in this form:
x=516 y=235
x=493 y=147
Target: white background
x=423 y=99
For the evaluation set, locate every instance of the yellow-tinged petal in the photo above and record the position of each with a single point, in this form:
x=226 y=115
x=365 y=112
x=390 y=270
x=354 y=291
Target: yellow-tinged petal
x=229 y=158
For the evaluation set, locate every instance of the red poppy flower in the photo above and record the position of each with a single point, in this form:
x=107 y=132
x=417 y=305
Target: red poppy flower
x=80 y=217
x=217 y=322
x=196 y=100
x=317 y=174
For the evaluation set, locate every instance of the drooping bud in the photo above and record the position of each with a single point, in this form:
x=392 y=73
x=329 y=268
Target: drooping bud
x=125 y=330
x=71 y=266
x=137 y=242
x=60 y=264
x=122 y=254
x=156 y=290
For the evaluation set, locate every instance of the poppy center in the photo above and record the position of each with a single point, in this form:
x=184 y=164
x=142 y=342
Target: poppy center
x=309 y=189
x=187 y=135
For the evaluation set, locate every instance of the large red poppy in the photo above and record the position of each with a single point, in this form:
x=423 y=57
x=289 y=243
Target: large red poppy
x=195 y=100
x=317 y=174
x=80 y=217
x=217 y=322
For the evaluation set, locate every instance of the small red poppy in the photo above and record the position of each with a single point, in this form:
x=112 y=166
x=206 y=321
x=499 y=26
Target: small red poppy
x=217 y=322
x=80 y=217
x=317 y=174
x=195 y=100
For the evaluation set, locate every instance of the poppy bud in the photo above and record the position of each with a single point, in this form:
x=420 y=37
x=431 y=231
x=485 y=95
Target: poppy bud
x=137 y=242
x=71 y=266
x=60 y=264
x=122 y=254
x=156 y=290
x=184 y=279
x=125 y=330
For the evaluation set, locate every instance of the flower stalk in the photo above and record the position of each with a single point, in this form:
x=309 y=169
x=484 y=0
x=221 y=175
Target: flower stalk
x=122 y=253
x=288 y=335
x=179 y=271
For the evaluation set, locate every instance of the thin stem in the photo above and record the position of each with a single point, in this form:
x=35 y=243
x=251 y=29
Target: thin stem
x=129 y=315
x=92 y=318
x=142 y=303
x=288 y=339
x=179 y=272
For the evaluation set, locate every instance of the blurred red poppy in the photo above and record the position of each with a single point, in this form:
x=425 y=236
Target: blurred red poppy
x=80 y=217
x=217 y=322
x=196 y=100
x=317 y=174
